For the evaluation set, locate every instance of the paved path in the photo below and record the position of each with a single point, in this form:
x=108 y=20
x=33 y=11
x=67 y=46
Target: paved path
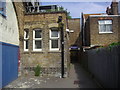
x=78 y=78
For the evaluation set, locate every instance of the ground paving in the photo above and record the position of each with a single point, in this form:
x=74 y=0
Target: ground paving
x=78 y=78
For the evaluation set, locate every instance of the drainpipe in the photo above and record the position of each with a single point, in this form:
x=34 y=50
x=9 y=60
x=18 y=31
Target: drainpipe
x=60 y=26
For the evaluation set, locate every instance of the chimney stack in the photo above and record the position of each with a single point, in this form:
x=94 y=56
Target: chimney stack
x=114 y=7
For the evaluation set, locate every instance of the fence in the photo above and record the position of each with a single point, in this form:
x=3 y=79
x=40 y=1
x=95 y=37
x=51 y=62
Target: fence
x=104 y=64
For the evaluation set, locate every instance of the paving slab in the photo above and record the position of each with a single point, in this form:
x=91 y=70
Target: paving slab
x=78 y=78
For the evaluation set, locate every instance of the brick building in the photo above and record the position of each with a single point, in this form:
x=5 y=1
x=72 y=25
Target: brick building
x=85 y=29
x=40 y=40
x=101 y=29
x=74 y=35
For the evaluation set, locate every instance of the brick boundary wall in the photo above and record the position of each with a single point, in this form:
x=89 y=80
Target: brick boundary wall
x=45 y=71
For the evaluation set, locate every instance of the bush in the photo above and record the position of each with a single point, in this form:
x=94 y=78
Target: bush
x=110 y=46
x=114 y=44
x=37 y=70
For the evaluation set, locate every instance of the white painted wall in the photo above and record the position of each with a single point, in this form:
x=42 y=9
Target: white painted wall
x=9 y=32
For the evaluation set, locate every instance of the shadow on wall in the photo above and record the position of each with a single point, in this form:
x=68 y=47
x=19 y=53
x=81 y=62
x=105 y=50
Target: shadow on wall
x=75 y=53
x=78 y=42
x=83 y=79
x=75 y=50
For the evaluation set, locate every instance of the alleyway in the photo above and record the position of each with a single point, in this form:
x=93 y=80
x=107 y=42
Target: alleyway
x=78 y=78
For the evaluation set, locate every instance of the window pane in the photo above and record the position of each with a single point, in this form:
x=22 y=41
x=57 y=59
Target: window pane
x=109 y=28
x=54 y=33
x=101 y=22
x=38 y=44
x=26 y=34
x=37 y=33
x=26 y=44
x=102 y=28
x=108 y=22
x=105 y=27
x=54 y=43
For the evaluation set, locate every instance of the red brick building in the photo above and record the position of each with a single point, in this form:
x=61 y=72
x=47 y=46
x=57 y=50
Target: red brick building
x=101 y=29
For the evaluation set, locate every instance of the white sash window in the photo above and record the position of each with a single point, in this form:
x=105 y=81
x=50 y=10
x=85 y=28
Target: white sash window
x=54 y=39
x=37 y=40
x=105 y=26
x=26 y=39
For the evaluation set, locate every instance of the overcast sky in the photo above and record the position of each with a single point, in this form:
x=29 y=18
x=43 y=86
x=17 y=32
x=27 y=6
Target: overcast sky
x=75 y=8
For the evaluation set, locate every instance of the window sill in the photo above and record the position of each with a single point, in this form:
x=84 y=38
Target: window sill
x=54 y=51
x=105 y=32
x=26 y=50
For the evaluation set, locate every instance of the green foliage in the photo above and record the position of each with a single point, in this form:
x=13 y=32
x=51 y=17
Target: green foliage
x=37 y=70
x=49 y=10
x=101 y=46
x=114 y=44
x=60 y=9
x=110 y=46
x=68 y=15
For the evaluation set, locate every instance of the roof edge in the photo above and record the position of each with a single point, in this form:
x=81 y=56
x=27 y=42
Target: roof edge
x=104 y=15
x=45 y=13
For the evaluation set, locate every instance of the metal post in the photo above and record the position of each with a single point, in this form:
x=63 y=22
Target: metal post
x=62 y=51
x=62 y=44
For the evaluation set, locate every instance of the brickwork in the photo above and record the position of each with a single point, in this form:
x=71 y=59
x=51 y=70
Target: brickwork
x=87 y=33
x=105 y=38
x=74 y=24
x=46 y=57
x=50 y=61
x=20 y=17
x=114 y=8
x=45 y=71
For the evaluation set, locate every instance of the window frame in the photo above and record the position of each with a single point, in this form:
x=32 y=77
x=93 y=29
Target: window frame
x=54 y=38
x=37 y=39
x=26 y=39
x=106 y=31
